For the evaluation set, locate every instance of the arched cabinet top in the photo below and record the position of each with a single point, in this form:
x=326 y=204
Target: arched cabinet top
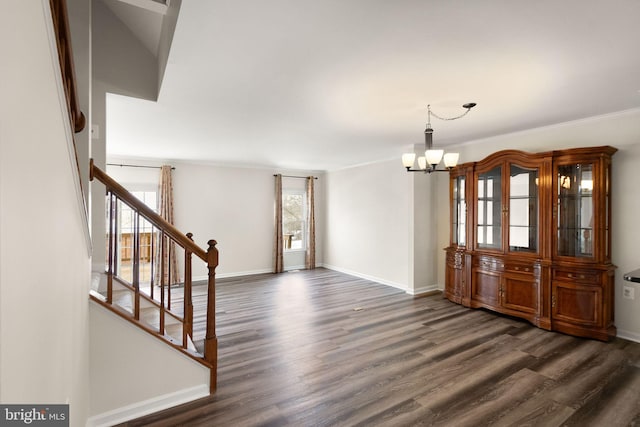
x=519 y=156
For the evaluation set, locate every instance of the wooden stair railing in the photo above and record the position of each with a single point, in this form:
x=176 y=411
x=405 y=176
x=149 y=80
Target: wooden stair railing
x=77 y=119
x=67 y=68
x=148 y=303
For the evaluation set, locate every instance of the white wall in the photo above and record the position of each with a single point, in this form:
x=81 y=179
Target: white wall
x=626 y=234
x=231 y=205
x=620 y=130
x=234 y=206
x=134 y=374
x=44 y=255
x=427 y=195
x=368 y=222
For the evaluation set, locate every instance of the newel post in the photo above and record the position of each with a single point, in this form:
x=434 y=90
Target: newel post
x=211 y=340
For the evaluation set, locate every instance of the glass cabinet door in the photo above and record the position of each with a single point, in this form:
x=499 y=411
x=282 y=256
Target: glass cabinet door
x=489 y=209
x=459 y=211
x=575 y=210
x=523 y=209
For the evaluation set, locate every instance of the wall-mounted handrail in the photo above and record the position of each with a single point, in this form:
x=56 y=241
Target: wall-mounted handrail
x=67 y=68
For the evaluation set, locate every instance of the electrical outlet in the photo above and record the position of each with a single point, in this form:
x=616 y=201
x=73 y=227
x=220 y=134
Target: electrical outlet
x=628 y=292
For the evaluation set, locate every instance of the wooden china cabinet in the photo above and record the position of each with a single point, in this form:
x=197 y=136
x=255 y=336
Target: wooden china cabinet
x=530 y=237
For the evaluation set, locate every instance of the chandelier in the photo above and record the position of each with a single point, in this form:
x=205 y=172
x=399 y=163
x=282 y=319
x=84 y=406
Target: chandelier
x=432 y=158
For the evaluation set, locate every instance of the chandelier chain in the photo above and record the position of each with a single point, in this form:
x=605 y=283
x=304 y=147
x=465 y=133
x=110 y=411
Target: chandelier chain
x=447 y=118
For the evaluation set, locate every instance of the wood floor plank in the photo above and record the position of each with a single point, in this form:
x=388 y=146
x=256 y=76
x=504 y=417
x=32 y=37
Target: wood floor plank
x=321 y=348
x=616 y=403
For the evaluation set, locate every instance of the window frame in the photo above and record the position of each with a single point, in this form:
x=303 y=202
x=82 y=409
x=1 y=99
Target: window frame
x=303 y=193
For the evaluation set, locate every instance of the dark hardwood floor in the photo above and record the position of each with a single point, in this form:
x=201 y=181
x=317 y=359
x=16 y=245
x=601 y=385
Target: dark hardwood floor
x=320 y=348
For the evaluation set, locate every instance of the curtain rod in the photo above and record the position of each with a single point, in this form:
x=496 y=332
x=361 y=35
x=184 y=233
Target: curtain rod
x=293 y=176
x=136 y=166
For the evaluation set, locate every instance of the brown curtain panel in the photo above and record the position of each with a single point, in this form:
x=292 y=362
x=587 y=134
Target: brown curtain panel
x=165 y=210
x=278 y=249
x=310 y=259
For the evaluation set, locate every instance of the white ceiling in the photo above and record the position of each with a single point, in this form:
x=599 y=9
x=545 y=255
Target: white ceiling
x=321 y=85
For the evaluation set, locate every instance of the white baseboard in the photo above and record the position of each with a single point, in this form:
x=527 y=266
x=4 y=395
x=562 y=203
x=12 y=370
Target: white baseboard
x=247 y=273
x=147 y=407
x=628 y=335
x=418 y=291
x=236 y=274
x=366 y=276
x=424 y=290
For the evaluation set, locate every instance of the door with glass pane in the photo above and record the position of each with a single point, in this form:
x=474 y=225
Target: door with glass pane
x=459 y=211
x=523 y=209
x=575 y=210
x=455 y=266
x=489 y=209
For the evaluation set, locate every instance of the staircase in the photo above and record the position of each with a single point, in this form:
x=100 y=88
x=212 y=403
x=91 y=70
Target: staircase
x=150 y=299
x=123 y=301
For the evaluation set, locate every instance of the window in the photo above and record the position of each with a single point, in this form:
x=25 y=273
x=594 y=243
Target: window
x=126 y=228
x=294 y=220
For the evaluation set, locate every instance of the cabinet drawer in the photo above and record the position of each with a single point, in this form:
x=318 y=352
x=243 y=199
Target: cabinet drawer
x=488 y=264
x=576 y=276
x=519 y=267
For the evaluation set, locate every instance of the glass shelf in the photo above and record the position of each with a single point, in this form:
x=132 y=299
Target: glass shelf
x=523 y=209
x=575 y=210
